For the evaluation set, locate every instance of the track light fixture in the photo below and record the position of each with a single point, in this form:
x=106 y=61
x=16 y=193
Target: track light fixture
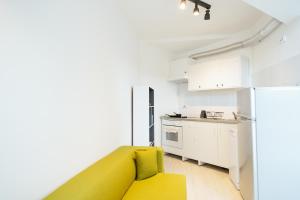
x=182 y=4
x=207 y=15
x=196 y=10
x=197 y=3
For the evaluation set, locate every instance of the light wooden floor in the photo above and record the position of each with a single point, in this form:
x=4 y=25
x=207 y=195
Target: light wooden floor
x=205 y=182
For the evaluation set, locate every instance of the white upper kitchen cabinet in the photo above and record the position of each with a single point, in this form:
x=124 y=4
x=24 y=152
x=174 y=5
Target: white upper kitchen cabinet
x=178 y=71
x=202 y=76
x=229 y=73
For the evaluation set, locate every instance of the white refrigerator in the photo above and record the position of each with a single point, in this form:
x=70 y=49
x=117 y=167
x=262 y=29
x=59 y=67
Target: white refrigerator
x=269 y=143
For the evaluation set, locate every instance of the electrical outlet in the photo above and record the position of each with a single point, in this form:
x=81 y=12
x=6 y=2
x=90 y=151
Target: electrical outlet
x=283 y=39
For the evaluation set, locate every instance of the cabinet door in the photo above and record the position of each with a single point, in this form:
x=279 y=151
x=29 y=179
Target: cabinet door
x=208 y=143
x=231 y=73
x=227 y=148
x=179 y=69
x=219 y=74
x=202 y=77
x=194 y=77
x=234 y=73
x=191 y=140
x=210 y=75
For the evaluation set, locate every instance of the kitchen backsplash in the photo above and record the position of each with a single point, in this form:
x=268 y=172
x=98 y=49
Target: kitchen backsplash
x=194 y=111
x=191 y=103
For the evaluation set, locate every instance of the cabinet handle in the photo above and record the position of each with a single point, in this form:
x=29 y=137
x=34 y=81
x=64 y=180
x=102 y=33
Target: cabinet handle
x=199 y=86
x=222 y=85
x=217 y=85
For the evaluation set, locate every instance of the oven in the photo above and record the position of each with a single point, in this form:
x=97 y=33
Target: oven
x=172 y=134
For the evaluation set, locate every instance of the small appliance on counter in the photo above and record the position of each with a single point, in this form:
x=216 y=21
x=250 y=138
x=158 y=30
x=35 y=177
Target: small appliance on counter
x=176 y=115
x=214 y=115
x=203 y=114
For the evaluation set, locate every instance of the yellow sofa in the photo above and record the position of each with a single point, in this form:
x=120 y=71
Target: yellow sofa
x=113 y=178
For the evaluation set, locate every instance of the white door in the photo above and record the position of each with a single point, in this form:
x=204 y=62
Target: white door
x=202 y=76
x=191 y=144
x=231 y=71
x=208 y=143
x=178 y=69
x=195 y=78
x=278 y=139
x=233 y=158
x=246 y=158
x=140 y=116
x=225 y=145
x=211 y=75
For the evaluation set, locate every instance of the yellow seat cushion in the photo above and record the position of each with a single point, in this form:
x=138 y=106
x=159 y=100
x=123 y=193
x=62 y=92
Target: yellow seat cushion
x=159 y=187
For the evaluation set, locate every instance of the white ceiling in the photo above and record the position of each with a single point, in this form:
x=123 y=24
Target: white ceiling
x=162 y=23
x=284 y=11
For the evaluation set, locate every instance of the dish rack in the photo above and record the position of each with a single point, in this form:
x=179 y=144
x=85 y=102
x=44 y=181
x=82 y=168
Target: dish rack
x=214 y=115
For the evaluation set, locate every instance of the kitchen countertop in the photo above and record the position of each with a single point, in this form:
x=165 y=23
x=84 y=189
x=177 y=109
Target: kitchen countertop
x=225 y=121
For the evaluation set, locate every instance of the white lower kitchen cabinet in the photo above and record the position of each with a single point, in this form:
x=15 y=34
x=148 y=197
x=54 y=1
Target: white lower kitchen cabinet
x=207 y=142
x=191 y=141
x=201 y=142
x=228 y=151
x=208 y=147
x=233 y=156
x=225 y=144
x=213 y=143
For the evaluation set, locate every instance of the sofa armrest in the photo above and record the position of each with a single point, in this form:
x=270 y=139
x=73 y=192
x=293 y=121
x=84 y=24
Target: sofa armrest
x=160 y=159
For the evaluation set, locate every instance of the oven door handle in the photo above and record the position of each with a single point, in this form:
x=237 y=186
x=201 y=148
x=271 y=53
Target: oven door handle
x=171 y=132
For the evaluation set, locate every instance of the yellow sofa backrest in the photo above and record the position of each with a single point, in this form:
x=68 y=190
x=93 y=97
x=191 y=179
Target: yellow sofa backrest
x=109 y=178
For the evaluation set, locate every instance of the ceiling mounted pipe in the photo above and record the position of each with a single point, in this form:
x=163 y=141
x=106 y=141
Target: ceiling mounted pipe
x=258 y=37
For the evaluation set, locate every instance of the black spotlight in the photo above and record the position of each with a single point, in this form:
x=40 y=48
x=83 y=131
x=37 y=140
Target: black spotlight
x=207 y=15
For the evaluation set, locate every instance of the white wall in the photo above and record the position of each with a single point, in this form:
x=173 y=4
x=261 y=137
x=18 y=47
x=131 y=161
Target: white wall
x=66 y=71
x=154 y=71
x=277 y=63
